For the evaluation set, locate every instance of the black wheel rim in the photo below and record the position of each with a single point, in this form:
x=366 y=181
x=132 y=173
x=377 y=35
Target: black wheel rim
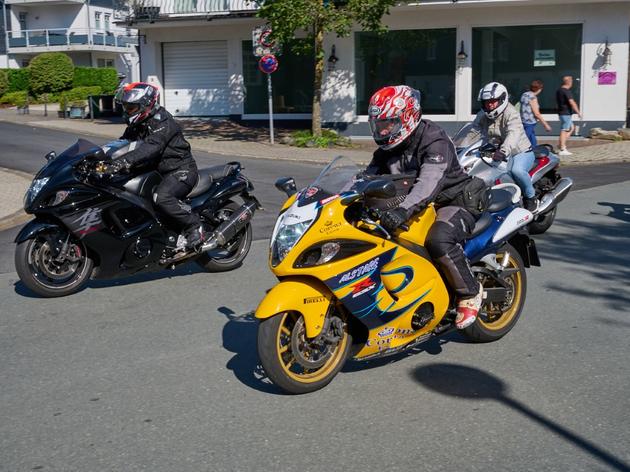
x=52 y=273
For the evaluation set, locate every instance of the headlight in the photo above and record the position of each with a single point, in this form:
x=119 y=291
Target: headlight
x=286 y=237
x=34 y=189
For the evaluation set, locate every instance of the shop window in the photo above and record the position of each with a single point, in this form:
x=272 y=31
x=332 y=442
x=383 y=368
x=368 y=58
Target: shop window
x=517 y=55
x=292 y=83
x=423 y=59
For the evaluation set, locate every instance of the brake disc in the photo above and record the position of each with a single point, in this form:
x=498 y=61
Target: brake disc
x=311 y=354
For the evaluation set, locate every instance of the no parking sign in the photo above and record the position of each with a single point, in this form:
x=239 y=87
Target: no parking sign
x=268 y=64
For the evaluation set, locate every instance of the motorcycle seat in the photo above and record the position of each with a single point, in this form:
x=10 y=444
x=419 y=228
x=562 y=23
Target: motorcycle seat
x=207 y=176
x=484 y=221
x=500 y=199
x=541 y=151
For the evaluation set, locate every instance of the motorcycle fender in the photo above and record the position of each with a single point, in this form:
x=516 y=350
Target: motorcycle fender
x=307 y=296
x=33 y=228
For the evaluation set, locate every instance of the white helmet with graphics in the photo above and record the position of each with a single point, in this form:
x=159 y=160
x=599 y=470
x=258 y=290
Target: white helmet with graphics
x=494 y=99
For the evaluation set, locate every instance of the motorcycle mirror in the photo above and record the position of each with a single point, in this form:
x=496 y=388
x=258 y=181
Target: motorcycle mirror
x=286 y=185
x=51 y=155
x=380 y=189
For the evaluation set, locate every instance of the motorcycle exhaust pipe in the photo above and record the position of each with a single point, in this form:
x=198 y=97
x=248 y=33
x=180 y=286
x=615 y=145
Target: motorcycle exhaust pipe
x=228 y=229
x=551 y=199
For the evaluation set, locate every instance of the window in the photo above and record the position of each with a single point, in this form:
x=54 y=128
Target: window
x=97 y=20
x=292 y=83
x=22 y=20
x=104 y=62
x=107 y=17
x=517 y=55
x=422 y=59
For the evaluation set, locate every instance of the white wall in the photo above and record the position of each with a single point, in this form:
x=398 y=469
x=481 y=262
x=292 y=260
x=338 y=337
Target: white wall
x=42 y=16
x=601 y=21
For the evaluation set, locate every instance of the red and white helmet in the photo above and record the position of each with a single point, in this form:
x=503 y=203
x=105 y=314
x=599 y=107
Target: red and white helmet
x=139 y=100
x=394 y=113
x=494 y=99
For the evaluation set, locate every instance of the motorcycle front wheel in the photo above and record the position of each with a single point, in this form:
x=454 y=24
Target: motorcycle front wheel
x=496 y=319
x=48 y=275
x=296 y=363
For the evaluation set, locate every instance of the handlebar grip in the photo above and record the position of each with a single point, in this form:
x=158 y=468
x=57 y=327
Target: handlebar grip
x=404 y=227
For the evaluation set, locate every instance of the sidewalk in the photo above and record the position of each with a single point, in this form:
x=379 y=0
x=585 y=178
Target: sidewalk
x=255 y=145
x=13 y=186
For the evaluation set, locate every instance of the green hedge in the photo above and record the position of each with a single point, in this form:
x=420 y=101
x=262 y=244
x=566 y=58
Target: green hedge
x=104 y=77
x=78 y=95
x=4 y=82
x=15 y=98
x=51 y=72
x=18 y=79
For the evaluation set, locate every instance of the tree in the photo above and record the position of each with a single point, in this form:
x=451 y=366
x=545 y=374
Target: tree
x=316 y=18
x=51 y=72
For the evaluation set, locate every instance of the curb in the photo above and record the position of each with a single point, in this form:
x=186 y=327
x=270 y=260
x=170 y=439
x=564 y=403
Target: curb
x=18 y=217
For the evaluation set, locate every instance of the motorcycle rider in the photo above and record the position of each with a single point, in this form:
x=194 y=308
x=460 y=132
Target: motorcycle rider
x=409 y=143
x=163 y=147
x=499 y=119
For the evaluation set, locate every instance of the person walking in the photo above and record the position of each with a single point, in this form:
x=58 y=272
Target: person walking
x=566 y=107
x=530 y=111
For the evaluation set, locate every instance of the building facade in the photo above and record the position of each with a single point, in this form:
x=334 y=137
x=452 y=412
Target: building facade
x=83 y=29
x=200 y=53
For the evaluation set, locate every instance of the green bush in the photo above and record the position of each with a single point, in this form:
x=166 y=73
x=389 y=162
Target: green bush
x=51 y=72
x=104 y=77
x=15 y=98
x=78 y=96
x=4 y=82
x=18 y=79
x=328 y=138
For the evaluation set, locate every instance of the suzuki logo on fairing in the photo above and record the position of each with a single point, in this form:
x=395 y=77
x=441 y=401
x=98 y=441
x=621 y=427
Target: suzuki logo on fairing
x=89 y=221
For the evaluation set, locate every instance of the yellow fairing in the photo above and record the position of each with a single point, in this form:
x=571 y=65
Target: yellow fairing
x=305 y=295
x=419 y=226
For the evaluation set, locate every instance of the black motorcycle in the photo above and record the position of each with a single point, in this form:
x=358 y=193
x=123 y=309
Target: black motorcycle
x=90 y=225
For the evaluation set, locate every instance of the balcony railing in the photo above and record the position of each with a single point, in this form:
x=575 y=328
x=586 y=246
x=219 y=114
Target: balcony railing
x=150 y=10
x=46 y=38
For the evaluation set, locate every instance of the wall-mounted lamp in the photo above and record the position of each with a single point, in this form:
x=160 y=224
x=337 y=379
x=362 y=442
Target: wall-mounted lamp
x=606 y=56
x=332 y=59
x=461 y=55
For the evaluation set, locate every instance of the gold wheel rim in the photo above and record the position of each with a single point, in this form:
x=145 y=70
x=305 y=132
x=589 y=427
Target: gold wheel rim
x=288 y=361
x=507 y=315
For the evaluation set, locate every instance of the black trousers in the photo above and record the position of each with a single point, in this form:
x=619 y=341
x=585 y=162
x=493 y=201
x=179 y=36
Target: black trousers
x=444 y=242
x=167 y=196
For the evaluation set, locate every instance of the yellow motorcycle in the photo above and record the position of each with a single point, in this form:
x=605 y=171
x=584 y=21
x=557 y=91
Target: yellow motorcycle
x=349 y=288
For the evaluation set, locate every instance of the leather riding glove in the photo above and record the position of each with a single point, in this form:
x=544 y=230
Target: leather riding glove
x=499 y=156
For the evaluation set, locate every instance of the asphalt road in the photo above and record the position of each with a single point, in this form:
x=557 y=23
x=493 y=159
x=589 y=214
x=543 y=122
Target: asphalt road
x=160 y=372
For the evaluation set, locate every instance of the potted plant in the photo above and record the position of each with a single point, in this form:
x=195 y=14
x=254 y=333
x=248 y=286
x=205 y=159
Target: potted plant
x=77 y=108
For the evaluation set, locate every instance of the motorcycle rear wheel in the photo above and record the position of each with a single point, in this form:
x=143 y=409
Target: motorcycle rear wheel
x=38 y=270
x=279 y=335
x=231 y=256
x=543 y=222
x=496 y=320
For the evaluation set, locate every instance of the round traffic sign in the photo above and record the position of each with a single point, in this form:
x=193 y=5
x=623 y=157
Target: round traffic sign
x=268 y=64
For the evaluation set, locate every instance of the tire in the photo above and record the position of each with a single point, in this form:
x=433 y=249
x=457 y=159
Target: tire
x=543 y=222
x=495 y=322
x=35 y=268
x=275 y=352
x=222 y=260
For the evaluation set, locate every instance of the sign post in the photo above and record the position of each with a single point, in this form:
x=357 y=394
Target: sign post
x=265 y=49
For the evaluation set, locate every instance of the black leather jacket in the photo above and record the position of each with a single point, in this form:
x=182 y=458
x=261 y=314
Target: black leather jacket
x=163 y=143
x=430 y=153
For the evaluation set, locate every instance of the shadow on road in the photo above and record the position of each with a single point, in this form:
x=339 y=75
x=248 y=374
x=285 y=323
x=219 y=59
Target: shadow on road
x=239 y=336
x=619 y=211
x=181 y=271
x=597 y=249
x=473 y=384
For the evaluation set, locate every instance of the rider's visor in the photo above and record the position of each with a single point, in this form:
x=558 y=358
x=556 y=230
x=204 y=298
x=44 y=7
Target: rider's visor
x=490 y=104
x=385 y=128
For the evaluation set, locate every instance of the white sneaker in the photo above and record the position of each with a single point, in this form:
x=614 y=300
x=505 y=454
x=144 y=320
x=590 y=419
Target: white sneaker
x=564 y=152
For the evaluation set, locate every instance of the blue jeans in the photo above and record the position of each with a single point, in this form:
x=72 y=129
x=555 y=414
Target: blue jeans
x=519 y=166
x=530 y=131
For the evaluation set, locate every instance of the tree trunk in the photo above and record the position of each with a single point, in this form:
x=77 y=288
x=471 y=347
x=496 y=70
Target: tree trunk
x=317 y=82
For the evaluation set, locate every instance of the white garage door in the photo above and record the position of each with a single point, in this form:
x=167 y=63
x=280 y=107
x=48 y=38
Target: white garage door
x=196 y=78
